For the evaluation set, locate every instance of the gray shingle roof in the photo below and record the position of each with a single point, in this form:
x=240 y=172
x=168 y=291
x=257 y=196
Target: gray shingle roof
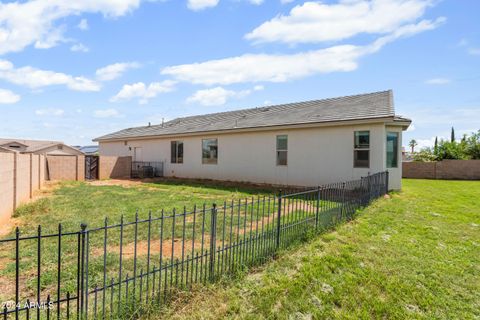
x=356 y=107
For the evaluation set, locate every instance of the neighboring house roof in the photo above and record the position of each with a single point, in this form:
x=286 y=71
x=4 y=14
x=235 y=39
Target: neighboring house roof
x=89 y=149
x=357 y=107
x=32 y=146
x=2 y=149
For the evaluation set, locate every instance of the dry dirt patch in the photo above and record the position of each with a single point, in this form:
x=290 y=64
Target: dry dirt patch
x=128 y=250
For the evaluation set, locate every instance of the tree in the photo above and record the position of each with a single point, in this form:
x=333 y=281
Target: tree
x=435 y=148
x=473 y=146
x=451 y=150
x=413 y=143
x=452 y=136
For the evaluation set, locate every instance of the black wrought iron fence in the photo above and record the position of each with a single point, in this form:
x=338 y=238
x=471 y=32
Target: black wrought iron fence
x=120 y=270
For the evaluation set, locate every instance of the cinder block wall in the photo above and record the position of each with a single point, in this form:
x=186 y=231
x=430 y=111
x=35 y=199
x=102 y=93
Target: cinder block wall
x=20 y=176
x=418 y=170
x=458 y=169
x=446 y=169
x=7 y=171
x=66 y=168
x=111 y=167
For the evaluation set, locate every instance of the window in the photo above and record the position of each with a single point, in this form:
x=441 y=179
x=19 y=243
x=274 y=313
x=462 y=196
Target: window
x=282 y=150
x=361 y=153
x=209 y=151
x=392 y=149
x=176 y=151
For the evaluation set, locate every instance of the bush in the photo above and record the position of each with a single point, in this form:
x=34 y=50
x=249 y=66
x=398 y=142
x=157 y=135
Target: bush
x=451 y=150
x=424 y=155
x=473 y=146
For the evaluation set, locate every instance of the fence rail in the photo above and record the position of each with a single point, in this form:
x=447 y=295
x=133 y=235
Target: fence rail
x=120 y=269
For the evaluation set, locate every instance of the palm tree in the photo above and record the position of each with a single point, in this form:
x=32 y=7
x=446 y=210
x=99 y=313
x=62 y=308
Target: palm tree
x=413 y=143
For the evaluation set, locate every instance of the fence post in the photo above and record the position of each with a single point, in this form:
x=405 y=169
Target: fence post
x=318 y=208
x=386 y=181
x=213 y=234
x=279 y=217
x=369 y=181
x=83 y=232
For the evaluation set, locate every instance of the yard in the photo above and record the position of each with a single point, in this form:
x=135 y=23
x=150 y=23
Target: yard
x=412 y=256
x=415 y=256
x=74 y=203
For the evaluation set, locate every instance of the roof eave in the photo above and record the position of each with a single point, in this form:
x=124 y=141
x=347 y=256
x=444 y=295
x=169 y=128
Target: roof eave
x=384 y=119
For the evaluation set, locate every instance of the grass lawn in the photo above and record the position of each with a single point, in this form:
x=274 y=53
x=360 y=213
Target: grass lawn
x=414 y=256
x=73 y=203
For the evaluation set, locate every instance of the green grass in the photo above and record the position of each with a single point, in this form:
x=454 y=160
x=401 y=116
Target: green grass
x=73 y=203
x=414 y=256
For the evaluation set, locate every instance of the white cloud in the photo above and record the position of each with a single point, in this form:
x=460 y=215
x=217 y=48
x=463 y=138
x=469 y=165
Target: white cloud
x=143 y=92
x=79 y=47
x=314 y=22
x=256 y=2
x=197 y=5
x=83 y=24
x=218 y=96
x=49 y=112
x=36 y=78
x=35 y=22
x=106 y=113
x=286 y=1
x=8 y=97
x=115 y=70
x=474 y=51
x=438 y=81
x=426 y=143
x=281 y=68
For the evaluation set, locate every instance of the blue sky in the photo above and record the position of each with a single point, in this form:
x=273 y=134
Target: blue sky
x=74 y=71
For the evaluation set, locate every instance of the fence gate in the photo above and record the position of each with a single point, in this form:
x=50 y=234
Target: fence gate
x=91 y=167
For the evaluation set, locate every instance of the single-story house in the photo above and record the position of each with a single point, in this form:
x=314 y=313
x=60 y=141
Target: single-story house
x=304 y=143
x=38 y=147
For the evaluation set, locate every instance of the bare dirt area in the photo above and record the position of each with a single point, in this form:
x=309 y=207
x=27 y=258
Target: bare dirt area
x=116 y=182
x=128 y=250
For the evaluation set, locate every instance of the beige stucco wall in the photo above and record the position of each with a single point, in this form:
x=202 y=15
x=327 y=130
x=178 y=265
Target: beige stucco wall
x=315 y=155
